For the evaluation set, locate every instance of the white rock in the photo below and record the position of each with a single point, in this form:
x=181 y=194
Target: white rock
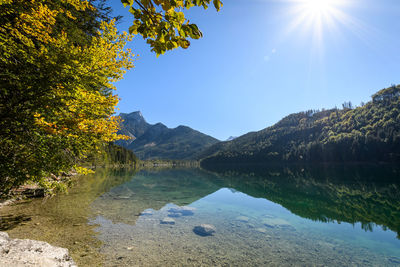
x=25 y=252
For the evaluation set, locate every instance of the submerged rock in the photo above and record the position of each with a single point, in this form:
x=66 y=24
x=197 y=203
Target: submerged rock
x=25 y=252
x=276 y=223
x=394 y=260
x=174 y=215
x=184 y=211
x=204 y=229
x=167 y=220
x=242 y=219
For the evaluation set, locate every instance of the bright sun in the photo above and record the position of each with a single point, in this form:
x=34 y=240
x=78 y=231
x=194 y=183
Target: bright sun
x=315 y=19
x=318 y=7
x=318 y=14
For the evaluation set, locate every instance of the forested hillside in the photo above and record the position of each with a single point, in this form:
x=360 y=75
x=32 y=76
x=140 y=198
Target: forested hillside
x=367 y=133
x=111 y=155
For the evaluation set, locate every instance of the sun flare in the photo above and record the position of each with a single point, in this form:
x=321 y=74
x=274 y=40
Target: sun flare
x=318 y=7
x=317 y=22
x=318 y=16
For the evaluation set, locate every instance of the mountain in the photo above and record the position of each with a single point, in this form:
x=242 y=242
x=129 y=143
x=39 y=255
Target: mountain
x=160 y=142
x=363 y=134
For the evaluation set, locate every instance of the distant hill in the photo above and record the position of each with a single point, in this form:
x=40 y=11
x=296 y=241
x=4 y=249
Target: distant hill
x=160 y=142
x=367 y=133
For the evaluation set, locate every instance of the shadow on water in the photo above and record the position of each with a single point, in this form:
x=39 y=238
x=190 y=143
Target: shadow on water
x=9 y=222
x=62 y=220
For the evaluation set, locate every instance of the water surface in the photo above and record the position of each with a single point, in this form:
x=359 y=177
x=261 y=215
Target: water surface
x=278 y=216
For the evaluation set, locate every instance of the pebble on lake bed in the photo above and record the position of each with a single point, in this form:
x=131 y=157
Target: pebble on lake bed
x=204 y=229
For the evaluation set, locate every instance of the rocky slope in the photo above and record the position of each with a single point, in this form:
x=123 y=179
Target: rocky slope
x=160 y=142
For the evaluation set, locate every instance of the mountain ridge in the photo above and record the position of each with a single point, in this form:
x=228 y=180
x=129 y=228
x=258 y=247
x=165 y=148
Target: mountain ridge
x=157 y=141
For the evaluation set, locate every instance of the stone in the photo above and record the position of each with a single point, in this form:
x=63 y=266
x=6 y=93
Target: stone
x=25 y=252
x=394 y=260
x=276 y=223
x=4 y=239
x=204 y=230
x=242 y=219
x=167 y=220
x=184 y=210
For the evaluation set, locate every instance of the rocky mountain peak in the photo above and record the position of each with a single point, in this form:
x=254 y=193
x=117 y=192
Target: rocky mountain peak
x=135 y=116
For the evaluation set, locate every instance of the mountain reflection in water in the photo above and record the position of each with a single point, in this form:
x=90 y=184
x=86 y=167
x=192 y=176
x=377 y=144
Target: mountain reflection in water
x=369 y=195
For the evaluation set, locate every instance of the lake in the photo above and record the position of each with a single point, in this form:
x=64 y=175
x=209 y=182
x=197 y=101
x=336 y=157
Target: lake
x=226 y=216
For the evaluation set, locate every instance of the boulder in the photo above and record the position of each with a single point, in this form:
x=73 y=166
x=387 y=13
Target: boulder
x=25 y=252
x=204 y=230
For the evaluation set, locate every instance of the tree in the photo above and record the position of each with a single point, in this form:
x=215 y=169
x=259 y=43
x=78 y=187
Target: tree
x=347 y=105
x=59 y=60
x=57 y=68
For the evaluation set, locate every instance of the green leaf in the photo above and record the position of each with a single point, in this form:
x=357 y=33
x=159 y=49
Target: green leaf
x=218 y=4
x=133 y=29
x=127 y=2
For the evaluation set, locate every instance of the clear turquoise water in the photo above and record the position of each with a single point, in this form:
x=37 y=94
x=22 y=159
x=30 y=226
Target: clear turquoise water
x=256 y=227
x=273 y=216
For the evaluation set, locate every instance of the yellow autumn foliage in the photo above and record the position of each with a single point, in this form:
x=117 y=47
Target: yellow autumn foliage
x=57 y=92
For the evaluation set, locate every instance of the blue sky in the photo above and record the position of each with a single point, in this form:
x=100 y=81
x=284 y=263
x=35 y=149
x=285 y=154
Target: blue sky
x=259 y=61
